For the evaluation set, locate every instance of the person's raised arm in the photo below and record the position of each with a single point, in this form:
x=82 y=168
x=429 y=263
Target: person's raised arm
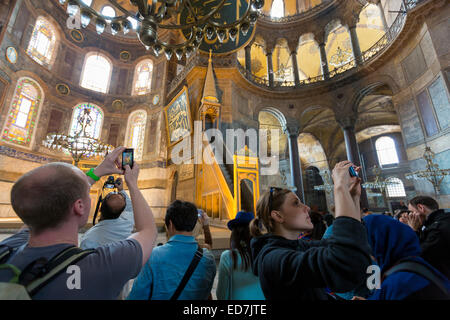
x=204 y=221
x=143 y=217
x=110 y=165
x=344 y=186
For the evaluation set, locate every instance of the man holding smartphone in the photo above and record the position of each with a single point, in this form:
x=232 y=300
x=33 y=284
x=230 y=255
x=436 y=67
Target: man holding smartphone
x=52 y=226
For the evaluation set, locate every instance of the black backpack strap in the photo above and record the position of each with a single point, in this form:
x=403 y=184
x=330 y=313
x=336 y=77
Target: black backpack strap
x=197 y=257
x=99 y=201
x=5 y=253
x=421 y=270
x=49 y=270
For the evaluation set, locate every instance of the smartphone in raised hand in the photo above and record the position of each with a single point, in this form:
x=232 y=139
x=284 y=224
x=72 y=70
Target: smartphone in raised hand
x=353 y=172
x=128 y=158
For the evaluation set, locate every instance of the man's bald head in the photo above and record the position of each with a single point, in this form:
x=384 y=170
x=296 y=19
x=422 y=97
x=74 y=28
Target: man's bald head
x=42 y=198
x=112 y=206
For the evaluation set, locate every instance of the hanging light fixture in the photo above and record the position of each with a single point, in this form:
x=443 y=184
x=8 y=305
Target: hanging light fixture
x=153 y=16
x=80 y=144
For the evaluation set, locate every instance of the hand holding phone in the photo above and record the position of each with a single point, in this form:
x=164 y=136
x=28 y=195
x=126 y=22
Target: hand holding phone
x=353 y=172
x=128 y=158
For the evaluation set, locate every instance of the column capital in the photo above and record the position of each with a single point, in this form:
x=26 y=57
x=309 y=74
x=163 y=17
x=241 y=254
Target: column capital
x=351 y=20
x=346 y=122
x=293 y=129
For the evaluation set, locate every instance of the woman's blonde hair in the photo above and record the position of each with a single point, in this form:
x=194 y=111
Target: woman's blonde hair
x=272 y=199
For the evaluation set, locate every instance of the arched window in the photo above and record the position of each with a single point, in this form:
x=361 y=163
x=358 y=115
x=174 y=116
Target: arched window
x=96 y=73
x=93 y=121
x=259 y=58
x=42 y=44
x=308 y=57
x=143 y=77
x=277 y=10
x=338 y=47
x=87 y=2
x=370 y=26
x=282 y=62
x=396 y=189
x=136 y=132
x=108 y=11
x=386 y=151
x=23 y=113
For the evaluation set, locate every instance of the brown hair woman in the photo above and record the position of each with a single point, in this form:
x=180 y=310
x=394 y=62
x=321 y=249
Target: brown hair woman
x=289 y=268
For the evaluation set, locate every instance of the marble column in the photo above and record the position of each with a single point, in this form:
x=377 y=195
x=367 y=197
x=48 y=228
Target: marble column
x=248 y=59
x=294 y=159
x=324 y=62
x=270 y=68
x=295 y=67
x=355 y=45
x=351 y=146
x=383 y=19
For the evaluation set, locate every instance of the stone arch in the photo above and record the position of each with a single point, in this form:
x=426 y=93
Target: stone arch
x=315 y=114
x=276 y=113
x=385 y=88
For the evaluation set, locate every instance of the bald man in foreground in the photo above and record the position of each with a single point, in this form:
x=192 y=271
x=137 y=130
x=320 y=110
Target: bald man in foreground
x=53 y=201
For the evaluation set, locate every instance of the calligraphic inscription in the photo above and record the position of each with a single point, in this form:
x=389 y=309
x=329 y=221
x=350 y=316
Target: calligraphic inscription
x=178 y=117
x=186 y=172
x=231 y=11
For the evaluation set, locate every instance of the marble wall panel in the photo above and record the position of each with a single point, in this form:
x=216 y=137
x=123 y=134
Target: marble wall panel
x=411 y=127
x=414 y=65
x=439 y=97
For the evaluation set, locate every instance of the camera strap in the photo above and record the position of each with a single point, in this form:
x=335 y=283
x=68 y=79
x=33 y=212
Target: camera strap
x=190 y=270
x=96 y=208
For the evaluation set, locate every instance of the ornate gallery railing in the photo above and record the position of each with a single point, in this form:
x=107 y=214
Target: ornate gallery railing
x=368 y=55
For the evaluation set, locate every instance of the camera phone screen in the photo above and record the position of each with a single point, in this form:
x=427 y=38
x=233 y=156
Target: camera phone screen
x=127 y=158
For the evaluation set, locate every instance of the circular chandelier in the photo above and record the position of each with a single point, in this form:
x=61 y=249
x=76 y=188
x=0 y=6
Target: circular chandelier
x=80 y=145
x=155 y=15
x=379 y=182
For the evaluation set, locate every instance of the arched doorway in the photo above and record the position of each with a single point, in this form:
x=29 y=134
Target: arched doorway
x=247 y=195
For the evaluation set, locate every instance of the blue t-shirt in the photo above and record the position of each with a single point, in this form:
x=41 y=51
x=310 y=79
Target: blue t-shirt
x=166 y=267
x=237 y=284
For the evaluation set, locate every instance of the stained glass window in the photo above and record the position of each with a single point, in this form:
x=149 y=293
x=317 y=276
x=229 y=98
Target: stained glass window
x=93 y=121
x=396 y=189
x=23 y=113
x=386 y=151
x=143 y=77
x=96 y=73
x=42 y=43
x=136 y=132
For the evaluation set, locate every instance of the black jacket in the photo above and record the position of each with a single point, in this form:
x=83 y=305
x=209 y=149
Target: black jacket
x=435 y=241
x=300 y=270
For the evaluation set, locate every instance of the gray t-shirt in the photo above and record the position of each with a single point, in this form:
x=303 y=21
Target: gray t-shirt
x=103 y=273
